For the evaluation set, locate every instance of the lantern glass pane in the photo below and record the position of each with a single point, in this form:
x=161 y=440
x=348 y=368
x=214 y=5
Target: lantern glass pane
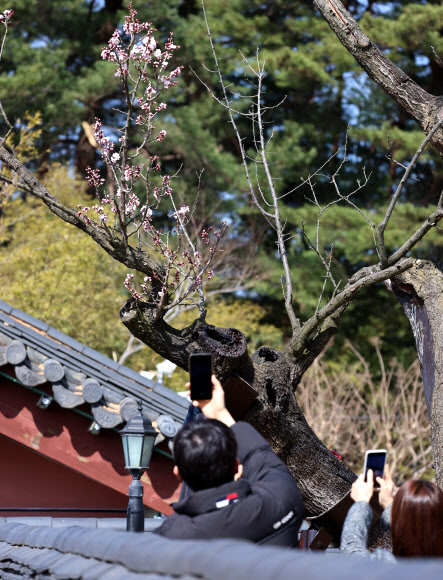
x=125 y=449
x=135 y=443
x=147 y=451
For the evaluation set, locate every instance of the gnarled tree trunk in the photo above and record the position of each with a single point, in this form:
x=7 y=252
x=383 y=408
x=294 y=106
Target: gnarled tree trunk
x=274 y=375
x=420 y=291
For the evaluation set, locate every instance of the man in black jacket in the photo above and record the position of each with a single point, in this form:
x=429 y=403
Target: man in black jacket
x=240 y=488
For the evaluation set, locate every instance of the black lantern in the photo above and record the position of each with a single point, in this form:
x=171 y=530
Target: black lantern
x=138 y=438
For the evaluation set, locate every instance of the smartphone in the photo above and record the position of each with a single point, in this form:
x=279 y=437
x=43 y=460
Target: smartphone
x=200 y=372
x=375 y=459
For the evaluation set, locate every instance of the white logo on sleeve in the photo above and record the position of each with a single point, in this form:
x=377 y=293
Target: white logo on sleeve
x=284 y=519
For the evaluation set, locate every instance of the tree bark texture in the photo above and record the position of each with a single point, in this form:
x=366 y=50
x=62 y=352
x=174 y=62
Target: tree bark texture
x=323 y=479
x=424 y=108
x=420 y=292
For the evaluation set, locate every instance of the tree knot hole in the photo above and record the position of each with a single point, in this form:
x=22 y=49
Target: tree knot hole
x=270 y=392
x=227 y=342
x=268 y=354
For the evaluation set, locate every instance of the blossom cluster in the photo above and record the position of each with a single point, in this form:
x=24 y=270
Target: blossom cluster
x=142 y=54
x=6 y=16
x=83 y=213
x=94 y=178
x=187 y=265
x=130 y=286
x=142 y=66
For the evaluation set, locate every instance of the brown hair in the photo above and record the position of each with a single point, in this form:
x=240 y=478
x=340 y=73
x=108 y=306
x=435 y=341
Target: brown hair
x=417 y=520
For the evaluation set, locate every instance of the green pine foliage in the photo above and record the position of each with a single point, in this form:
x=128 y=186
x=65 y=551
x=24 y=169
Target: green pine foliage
x=59 y=275
x=52 y=66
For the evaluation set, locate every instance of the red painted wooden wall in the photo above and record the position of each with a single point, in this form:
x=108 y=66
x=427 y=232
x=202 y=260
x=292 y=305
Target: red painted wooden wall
x=63 y=464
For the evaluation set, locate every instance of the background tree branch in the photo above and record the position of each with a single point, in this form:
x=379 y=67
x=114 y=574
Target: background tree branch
x=424 y=108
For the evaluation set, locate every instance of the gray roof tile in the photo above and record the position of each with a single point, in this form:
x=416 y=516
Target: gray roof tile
x=121 y=573
x=7 y=308
x=118 y=524
x=33 y=539
x=14 y=533
x=42 y=537
x=6 y=549
x=10 y=328
x=67 y=538
x=118 y=381
x=94 y=543
x=115 y=547
x=24 y=555
x=181 y=402
x=30 y=319
x=69 y=522
x=44 y=559
x=161 y=555
x=10 y=322
x=64 y=339
x=42 y=343
x=13 y=570
x=30 y=521
x=151 y=557
x=131 y=374
x=70 y=567
x=98 y=570
x=98 y=357
x=249 y=566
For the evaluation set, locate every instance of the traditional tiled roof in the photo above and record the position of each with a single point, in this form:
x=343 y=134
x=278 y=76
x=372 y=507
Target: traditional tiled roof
x=78 y=374
x=102 y=554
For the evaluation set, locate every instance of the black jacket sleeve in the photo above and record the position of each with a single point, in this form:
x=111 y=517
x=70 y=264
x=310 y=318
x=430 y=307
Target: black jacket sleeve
x=274 y=491
x=254 y=452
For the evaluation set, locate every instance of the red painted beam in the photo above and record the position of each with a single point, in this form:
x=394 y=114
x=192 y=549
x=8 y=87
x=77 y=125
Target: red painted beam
x=62 y=435
x=31 y=480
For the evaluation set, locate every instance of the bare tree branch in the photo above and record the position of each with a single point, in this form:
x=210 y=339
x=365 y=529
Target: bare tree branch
x=257 y=117
x=422 y=106
x=133 y=345
x=131 y=257
x=431 y=222
x=382 y=225
x=369 y=278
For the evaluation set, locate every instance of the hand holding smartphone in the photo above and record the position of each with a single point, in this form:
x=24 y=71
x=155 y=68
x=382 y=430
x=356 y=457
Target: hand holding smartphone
x=375 y=459
x=386 y=489
x=200 y=372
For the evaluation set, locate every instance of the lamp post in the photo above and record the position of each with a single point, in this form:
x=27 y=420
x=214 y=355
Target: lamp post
x=138 y=437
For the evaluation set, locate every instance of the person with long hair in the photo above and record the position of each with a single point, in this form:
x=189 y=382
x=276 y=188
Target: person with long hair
x=414 y=515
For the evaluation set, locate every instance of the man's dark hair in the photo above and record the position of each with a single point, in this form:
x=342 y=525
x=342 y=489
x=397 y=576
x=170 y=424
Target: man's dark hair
x=205 y=453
